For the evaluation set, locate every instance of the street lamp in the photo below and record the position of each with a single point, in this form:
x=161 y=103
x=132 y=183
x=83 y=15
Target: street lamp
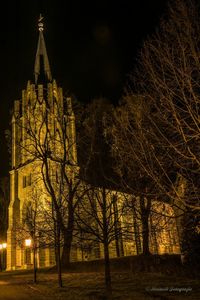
x=28 y=242
x=3 y=247
x=27 y=251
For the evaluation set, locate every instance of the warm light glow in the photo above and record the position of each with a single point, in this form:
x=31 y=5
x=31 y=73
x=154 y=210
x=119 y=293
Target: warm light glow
x=4 y=245
x=1 y=246
x=28 y=243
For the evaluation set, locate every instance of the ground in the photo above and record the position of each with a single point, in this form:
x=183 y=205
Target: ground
x=90 y=286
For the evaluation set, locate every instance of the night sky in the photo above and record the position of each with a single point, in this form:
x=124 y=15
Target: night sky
x=92 y=46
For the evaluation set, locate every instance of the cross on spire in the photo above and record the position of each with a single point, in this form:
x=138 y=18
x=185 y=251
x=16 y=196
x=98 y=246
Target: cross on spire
x=40 y=23
x=42 y=66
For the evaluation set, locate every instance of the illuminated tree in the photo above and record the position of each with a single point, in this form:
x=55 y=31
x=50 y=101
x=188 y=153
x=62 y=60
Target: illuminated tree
x=132 y=154
x=167 y=77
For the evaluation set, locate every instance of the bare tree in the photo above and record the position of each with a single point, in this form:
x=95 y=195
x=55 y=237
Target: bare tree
x=167 y=77
x=99 y=218
x=100 y=211
x=133 y=158
x=163 y=235
x=48 y=141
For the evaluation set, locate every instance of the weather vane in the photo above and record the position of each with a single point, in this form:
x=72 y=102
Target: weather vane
x=40 y=23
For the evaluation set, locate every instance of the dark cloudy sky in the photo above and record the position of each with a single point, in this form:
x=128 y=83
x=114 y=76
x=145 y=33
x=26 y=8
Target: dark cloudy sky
x=92 y=46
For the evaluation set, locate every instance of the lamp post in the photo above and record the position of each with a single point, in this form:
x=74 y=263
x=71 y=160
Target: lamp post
x=28 y=243
x=3 y=247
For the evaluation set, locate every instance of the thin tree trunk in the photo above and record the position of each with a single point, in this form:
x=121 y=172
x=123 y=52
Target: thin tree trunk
x=58 y=259
x=57 y=235
x=116 y=228
x=145 y=234
x=137 y=237
x=136 y=232
x=117 y=245
x=34 y=264
x=153 y=234
x=1 y=267
x=108 y=282
x=59 y=266
x=65 y=259
x=107 y=271
x=68 y=237
x=145 y=205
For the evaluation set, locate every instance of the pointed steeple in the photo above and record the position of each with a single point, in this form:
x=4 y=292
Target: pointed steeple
x=42 y=66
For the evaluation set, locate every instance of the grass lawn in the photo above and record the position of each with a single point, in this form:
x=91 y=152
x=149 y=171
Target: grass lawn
x=90 y=286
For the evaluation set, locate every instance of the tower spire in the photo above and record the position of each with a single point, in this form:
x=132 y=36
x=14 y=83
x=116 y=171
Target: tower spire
x=41 y=59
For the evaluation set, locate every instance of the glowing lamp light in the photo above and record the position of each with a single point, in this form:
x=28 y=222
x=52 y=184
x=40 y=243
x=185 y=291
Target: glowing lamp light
x=4 y=245
x=28 y=243
x=1 y=246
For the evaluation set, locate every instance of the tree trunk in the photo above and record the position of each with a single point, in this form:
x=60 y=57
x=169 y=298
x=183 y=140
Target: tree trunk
x=137 y=237
x=145 y=234
x=65 y=259
x=117 y=245
x=116 y=227
x=145 y=206
x=136 y=231
x=106 y=247
x=1 y=269
x=68 y=237
x=34 y=264
x=107 y=270
x=58 y=260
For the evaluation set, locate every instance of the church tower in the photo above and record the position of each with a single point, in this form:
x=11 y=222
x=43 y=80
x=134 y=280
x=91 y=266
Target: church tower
x=41 y=100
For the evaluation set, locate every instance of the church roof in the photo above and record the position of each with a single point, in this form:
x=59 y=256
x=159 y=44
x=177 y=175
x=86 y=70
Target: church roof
x=42 y=67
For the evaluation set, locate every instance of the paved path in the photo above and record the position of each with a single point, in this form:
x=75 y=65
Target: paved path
x=16 y=289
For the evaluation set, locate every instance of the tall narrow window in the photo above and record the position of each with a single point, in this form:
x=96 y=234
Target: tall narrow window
x=24 y=181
